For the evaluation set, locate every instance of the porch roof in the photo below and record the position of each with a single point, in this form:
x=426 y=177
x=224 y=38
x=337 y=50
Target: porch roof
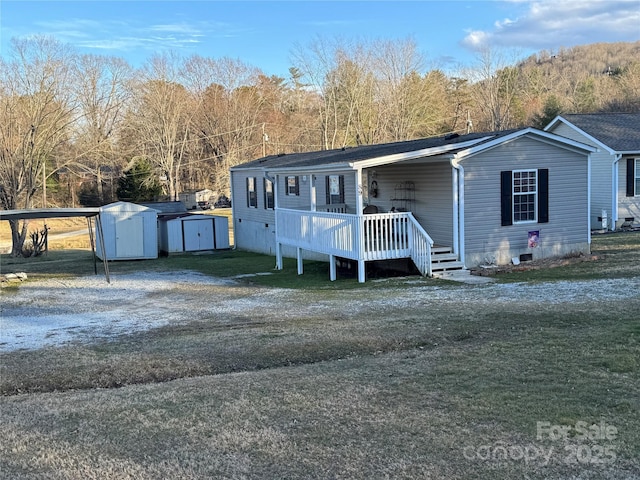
x=347 y=156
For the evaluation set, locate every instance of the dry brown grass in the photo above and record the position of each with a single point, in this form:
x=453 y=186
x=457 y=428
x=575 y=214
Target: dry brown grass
x=59 y=226
x=387 y=381
x=56 y=226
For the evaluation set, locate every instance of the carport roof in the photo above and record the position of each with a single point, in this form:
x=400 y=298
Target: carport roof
x=48 y=213
x=61 y=213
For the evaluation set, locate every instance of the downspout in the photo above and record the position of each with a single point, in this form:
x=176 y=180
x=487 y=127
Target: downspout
x=460 y=209
x=615 y=166
x=234 y=217
x=589 y=201
x=454 y=189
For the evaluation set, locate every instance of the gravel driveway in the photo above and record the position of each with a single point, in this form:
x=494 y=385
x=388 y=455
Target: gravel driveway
x=85 y=309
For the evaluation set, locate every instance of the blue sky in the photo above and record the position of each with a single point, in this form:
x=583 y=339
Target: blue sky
x=264 y=33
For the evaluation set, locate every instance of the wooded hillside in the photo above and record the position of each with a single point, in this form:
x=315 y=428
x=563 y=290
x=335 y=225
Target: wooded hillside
x=74 y=127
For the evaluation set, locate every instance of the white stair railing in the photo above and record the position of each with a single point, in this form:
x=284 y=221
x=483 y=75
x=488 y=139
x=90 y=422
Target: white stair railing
x=421 y=244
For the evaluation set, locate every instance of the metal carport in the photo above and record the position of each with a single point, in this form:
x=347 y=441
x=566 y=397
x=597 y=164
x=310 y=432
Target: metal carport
x=88 y=213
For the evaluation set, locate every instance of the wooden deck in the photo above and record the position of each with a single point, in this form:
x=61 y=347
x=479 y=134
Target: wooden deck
x=380 y=236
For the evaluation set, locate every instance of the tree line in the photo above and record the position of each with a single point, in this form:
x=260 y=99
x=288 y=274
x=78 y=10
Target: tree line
x=87 y=129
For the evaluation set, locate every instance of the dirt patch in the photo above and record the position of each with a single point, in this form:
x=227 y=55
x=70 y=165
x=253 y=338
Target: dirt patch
x=534 y=265
x=86 y=309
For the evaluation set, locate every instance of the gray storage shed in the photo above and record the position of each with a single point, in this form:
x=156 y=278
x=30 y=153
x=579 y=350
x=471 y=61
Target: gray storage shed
x=193 y=233
x=130 y=232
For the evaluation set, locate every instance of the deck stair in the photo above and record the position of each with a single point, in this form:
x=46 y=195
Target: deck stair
x=443 y=260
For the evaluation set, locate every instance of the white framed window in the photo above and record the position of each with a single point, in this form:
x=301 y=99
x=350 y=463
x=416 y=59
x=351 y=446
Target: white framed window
x=525 y=195
x=268 y=194
x=335 y=189
x=293 y=185
x=252 y=197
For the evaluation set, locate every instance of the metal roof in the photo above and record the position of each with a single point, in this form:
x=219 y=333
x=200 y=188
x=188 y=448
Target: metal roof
x=63 y=213
x=48 y=213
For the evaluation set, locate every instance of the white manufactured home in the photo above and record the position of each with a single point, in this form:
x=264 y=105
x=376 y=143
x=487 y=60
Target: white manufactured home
x=445 y=203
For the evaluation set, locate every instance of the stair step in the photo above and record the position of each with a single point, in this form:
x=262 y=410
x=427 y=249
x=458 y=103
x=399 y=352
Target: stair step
x=440 y=250
x=446 y=266
x=453 y=274
x=443 y=257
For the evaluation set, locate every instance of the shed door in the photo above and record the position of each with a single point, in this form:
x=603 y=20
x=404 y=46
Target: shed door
x=129 y=237
x=198 y=235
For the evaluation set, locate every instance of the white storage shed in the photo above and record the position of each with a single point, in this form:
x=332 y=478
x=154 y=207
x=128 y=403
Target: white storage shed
x=193 y=233
x=130 y=232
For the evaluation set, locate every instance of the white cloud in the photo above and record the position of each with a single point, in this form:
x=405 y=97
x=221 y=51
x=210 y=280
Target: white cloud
x=549 y=24
x=122 y=36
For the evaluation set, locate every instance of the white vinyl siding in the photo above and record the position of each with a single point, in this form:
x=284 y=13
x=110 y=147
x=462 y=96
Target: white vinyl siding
x=601 y=174
x=433 y=203
x=239 y=200
x=568 y=197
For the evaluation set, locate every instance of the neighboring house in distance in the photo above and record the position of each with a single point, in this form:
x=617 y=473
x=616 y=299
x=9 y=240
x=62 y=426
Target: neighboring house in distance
x=615 y=167
x=447 y=202
x=194 y=199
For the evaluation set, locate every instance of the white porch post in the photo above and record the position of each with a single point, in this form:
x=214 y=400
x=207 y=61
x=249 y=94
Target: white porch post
x=275 y=210
x=299 y=258
x=332 y=268
x=362 y=271
x=312 y=192
x=359 y=192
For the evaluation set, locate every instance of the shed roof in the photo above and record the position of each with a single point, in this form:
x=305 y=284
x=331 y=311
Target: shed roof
x=166 y=207
x=127 y=207
x=618 y=131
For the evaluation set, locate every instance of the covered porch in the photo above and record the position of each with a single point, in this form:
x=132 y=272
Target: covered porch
x=380 y=213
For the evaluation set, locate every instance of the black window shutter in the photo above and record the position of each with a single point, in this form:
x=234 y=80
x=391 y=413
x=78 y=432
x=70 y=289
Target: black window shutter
x=506 y=198
x=248 y=194
x=543 y=195
x=341 y=182
x=297 y=185
x=631 y=173
x=327 y=188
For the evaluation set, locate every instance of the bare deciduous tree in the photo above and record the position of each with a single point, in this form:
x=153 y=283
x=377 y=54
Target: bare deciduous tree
x=36 y=113
x=162 y=118
x=102 y=91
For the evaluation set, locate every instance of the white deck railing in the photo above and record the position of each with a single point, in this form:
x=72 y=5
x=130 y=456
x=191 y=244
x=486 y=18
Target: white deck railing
x=380 y=236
